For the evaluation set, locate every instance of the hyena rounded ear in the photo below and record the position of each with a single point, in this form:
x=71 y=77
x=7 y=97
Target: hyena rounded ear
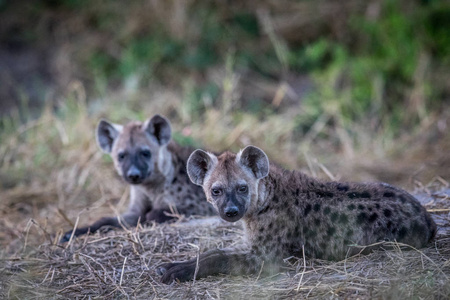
x=256 y=160
x=159 y=128
x=198 y=164
x=106 y=134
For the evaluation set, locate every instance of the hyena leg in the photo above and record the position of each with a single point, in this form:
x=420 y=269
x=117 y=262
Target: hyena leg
x=159 y=215
x=139 y=206
x=212 y=263
x=162 y=269
x=126 y=220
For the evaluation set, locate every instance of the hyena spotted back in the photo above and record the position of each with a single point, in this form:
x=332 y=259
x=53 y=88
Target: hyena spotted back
x=285 y=212
x=155 y=167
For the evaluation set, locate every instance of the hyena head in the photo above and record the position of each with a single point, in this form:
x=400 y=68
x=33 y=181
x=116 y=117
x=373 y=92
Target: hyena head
x=138 y=149
x=229 y=181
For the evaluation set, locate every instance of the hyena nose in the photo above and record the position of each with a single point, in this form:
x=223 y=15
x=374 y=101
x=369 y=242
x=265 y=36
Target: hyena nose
x=134 y=175
x=231 y=211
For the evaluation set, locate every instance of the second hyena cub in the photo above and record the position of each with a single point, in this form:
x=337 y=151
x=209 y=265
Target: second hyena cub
x=155 y=167
x=285 y=212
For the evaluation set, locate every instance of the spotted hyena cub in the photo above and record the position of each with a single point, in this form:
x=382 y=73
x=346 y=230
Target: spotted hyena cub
x=155 y=168
x=287 y=211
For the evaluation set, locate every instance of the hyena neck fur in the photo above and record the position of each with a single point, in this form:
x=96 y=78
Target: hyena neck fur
x=267 y=187
x=166 y=163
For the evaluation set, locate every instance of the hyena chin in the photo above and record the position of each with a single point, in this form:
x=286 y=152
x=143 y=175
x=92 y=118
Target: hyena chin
x=155 y=167
x=287 y=213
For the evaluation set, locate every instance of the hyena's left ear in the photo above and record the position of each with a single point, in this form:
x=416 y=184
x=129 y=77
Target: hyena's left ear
x=159 y=128
x=106 y=134
x=199 y=163
x=254 y=159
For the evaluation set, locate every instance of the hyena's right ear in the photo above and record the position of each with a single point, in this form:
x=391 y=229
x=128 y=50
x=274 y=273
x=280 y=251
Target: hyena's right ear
x=255 y=160
x=106 y=134
x=159 y=128
x=199 y=163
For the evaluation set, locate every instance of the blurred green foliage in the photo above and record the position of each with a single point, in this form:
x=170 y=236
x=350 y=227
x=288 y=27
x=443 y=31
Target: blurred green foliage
x=373 y=77
x=157 y=49
x=380 y=66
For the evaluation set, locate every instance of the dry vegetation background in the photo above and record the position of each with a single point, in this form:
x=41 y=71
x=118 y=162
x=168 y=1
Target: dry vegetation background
x=354 y=90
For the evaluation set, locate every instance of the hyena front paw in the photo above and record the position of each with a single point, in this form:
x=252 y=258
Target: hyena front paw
x=66 y=237
x=162 y=269
x=170 y=272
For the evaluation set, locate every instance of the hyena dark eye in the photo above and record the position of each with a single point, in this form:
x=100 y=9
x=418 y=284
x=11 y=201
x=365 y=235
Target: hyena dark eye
x=216 y=191
x=242 y=189
x=146 y=153
x=121 y=156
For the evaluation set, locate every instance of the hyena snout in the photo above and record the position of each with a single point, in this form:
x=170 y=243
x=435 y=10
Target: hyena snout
x=231 y=211
x=134 y=175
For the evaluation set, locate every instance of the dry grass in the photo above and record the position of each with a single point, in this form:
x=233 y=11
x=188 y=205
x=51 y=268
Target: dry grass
x=121 y=264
